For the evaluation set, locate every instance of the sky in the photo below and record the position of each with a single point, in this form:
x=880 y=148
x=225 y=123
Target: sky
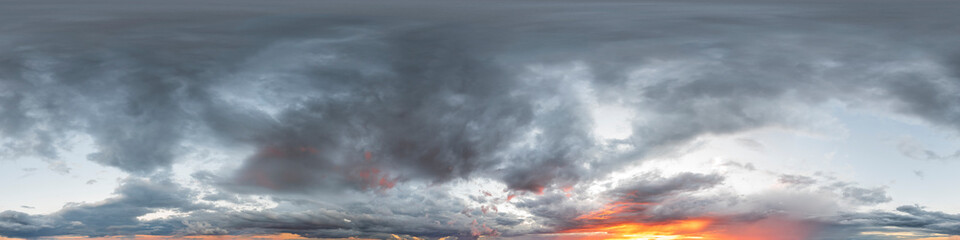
x=525 y=119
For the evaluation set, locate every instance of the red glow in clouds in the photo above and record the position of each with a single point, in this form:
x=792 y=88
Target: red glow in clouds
x=371 y=177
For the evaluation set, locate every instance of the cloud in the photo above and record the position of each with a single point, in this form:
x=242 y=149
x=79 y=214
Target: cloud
x=744 y=166
x=432 y=108
x=866 y=195
x=18 y=224
x=751 y=144
x=796 y=180
x=113 y=216
x=200 y=228
x=911 y=217
x=435 y=102
x=637 y=200
x=697 y=205
x=416 y=211
x=651 y=188
x=346 y=116
x=912 y=149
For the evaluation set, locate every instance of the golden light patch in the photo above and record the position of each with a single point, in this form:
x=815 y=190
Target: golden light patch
x=684 y=229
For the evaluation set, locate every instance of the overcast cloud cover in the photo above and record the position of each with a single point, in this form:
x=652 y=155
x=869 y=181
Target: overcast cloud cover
x=481 y=119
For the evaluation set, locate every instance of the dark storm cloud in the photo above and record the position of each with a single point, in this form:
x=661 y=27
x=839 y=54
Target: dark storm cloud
x=440 y=112
x=435 y=97
x=461 y=106
x=933 y=100
x=127 y=100
x=437 y=91
x=429 y=101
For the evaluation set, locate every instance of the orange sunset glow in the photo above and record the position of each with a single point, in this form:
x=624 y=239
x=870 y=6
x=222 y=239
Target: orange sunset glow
x=686 y=229
x=615 y=221
x=767 y=229
x=611 y=223
x=624 y=220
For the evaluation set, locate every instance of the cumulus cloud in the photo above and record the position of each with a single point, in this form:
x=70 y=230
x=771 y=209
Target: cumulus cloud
x=114 y=216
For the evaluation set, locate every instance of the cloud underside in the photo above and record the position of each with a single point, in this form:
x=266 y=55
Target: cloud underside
x=408 y=94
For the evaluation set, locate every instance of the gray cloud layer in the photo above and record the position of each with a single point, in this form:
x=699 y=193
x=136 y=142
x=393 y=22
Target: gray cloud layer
x=436 y=92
